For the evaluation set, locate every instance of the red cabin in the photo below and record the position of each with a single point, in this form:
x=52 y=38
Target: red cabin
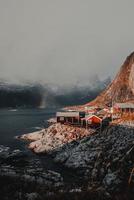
x=92 y=120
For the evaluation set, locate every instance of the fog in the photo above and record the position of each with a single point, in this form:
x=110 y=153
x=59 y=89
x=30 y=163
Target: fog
x=64 y=41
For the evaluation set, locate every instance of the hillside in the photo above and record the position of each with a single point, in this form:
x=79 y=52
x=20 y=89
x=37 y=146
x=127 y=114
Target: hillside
x=122 y=87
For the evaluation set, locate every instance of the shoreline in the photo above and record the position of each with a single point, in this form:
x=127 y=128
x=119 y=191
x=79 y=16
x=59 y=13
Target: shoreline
x=100 y=160
x=55 y=136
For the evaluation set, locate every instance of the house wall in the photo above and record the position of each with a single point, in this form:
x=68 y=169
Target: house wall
x=96 y=120
x=71 y=120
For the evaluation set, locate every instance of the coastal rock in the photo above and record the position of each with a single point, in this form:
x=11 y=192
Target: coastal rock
x=111 y=181
x=32 y=172
x=33 y=136
x=54 y=137
x=4 y=151
x=17 y=166
x=101 y=158
x=31 y=196
x=104 y=158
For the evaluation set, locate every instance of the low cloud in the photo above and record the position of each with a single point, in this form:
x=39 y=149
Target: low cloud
x=63 y=42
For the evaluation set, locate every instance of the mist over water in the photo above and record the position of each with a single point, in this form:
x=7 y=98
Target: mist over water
x=44 y=96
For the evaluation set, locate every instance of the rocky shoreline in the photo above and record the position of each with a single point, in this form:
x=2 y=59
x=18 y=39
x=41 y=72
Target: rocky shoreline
x=102 y=163
x=23 y=177
x=54 y=137
x=103 y=160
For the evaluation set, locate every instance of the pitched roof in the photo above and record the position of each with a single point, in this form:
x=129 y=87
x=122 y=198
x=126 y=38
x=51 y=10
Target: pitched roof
x=90 y=116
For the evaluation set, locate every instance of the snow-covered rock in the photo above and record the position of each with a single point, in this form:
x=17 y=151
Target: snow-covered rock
x=33 y=136
x=54 y=137
x=106 y=159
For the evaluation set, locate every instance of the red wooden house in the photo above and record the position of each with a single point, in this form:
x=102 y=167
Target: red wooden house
x=91 y=120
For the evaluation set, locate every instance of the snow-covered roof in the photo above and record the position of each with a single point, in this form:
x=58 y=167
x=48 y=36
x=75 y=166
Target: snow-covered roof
x=68 y=114
x=124 y=105
x=90 y=107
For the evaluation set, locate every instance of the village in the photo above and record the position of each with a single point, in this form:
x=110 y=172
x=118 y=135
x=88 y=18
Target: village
x=98 y=117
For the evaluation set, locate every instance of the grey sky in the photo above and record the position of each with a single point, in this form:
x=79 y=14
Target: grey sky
x=61 y=41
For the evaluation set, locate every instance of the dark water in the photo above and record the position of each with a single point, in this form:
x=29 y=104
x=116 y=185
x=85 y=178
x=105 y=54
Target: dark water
x=18 y=122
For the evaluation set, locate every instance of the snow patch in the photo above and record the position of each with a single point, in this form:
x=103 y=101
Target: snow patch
x=131 y=78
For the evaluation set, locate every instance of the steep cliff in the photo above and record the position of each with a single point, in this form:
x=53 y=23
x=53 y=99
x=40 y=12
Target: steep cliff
x=122 y=87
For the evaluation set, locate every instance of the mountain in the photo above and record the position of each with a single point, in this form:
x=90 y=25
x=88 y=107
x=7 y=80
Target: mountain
x=69 y=96
x=122 y=87
x=15 y=95
x=30 y=95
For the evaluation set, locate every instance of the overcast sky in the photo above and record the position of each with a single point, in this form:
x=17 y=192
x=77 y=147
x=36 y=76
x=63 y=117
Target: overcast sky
x=62 y=41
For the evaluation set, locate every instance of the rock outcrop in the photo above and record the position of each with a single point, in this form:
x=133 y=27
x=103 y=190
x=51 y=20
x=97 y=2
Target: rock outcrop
x=54 y=137
x=24 y=177
x=105 y=159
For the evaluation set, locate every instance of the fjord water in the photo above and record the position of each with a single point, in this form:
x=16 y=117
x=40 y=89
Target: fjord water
x=14 y=122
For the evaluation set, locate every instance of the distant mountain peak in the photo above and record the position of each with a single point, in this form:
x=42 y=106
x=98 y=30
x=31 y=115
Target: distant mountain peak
x=122 y=87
